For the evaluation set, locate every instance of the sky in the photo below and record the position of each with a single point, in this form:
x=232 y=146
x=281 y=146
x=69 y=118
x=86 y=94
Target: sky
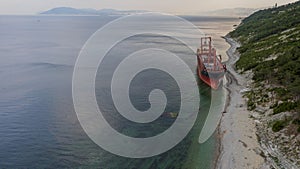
x=28 y=7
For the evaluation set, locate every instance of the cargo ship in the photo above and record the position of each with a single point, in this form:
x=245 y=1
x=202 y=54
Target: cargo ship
x=210 y=68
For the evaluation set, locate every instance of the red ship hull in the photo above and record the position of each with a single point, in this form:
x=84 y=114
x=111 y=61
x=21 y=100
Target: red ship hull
x=214 y=83
x=210 y=69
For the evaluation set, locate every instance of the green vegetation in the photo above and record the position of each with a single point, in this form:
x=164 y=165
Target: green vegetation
x=280 y=92
x=276 y=160
x=279 y=125
x=297 y=122
x=251 y=105
x=251 y=100
x=285 y=106
x=270 y=48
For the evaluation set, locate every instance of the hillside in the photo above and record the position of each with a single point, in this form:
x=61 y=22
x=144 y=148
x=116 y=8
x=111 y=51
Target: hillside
x=271 y=49
x=270 y=54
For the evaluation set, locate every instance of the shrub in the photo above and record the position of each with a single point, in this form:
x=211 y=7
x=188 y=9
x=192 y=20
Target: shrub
x=285 y=106
x=280 y=91
x=279 y=125
x=296 y=121
x=251 y=105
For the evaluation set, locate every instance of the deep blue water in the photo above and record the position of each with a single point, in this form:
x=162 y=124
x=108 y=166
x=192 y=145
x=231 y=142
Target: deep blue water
x=38 y=125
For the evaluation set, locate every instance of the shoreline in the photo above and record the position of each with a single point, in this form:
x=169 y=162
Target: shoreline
x=239 y=146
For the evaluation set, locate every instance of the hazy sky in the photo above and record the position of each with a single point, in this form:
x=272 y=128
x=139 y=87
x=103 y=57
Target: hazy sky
x=167 y=6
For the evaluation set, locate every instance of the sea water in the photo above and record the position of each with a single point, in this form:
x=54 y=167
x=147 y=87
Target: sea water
x=38 y=125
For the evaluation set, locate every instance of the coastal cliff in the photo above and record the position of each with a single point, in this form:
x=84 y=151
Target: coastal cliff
x=269 y=60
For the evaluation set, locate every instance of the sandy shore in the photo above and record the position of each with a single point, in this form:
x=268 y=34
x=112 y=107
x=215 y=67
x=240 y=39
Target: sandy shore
x=239 y=145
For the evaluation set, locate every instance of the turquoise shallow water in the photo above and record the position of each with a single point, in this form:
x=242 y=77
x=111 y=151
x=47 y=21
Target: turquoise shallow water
x=39 y=128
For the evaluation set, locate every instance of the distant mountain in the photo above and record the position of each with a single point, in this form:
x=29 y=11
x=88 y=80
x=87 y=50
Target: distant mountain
x=236 y=12
x=74 y=11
